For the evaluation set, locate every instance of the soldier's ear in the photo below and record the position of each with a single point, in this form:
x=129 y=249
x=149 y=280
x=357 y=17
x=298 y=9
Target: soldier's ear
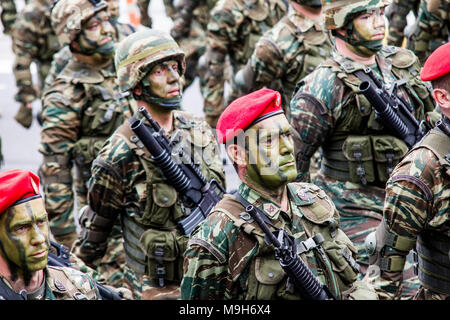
x=137 y=90
x=237 y=154
x=442 y=97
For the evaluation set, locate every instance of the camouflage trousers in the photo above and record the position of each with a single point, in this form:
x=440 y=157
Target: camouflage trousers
x=143 y=288
x=361 y=210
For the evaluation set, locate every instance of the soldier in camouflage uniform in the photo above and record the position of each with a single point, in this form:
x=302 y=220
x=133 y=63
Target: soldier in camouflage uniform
x=81 y=110
x=330 y=113
x=25 y=243
x=287 y=52
x=396 y=15
x=33 y=40
x=8 y=15
x=432 y=28
x=127 y=183
x=189 y=30
x=63 y=56
x=233 y=30
x=416 y=211
x=227 y=256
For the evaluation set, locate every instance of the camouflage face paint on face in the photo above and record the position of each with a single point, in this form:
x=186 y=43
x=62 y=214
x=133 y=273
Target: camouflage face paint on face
x=164 y=80
x=367 y=32
x=24 y=235
x=97 y=36
x=270 y=156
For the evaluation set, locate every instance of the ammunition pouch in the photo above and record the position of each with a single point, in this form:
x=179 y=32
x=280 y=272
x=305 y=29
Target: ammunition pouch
x=56 y=169
x=434 y=263
x=363 y=159
x=84 y=151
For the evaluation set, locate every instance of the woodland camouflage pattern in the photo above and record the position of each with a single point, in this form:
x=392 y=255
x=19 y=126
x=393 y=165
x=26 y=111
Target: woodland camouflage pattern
x=8 y=15
x=340 y=112
x=139 y=53
x=408 y=212
x=226 y=251
x=432 y=30
x=33 y=40
x=120 y=187
x=233 y=30
x=398 y=11
x=189 y=30
x=288 y=52
x=337 y=13
x=84 y=102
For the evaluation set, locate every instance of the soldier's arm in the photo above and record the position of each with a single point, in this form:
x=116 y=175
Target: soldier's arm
x=105 y=202
x=427 y=28
x=222 y=27
x=143 y=5
x=25 y=47
x=183 y=18
x=60 y=130
x=313 y=117
x=8 y=15
x=409 y=196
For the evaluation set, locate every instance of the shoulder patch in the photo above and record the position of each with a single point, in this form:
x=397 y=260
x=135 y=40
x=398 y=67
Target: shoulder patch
x=313 y=202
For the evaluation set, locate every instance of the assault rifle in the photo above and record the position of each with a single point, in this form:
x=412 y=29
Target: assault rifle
x=195 y=192
x=285 y=251
x=62 y=259
x=395 y=113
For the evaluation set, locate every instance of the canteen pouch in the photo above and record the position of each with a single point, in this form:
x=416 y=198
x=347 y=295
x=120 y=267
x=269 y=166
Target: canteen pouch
x=162 y=251
x=388 y=151
x=340 y=253
x=358 y=151
x=160 y=204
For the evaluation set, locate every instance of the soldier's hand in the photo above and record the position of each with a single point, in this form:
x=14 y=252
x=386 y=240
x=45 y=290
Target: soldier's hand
x=24 y=115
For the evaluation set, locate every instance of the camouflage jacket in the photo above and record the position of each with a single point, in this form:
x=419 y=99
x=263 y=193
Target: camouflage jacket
x=66 y=284
x=64 y=55
x=416 y=215
x=289 y=51
x=81 y=110
x=127 y=183
x=398 y=11
x=432 y=28
x=8 y=15
x=228 y=258
x=328 y=108
x=33 y=40
x=233 y=29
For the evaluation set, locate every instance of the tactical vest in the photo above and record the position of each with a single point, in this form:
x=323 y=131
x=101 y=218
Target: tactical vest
x=312 y=213
x=433 y=247
x=360 y=150
x=104 y=111
x=152 y=244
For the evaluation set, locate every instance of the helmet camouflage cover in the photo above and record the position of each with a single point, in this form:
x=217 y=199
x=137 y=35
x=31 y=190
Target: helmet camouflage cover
x=140 y=51
x=337 y=13
x=68 y=16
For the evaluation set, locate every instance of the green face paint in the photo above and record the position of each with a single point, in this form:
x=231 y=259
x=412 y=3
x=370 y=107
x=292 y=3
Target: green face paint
x=97 y=36
x=162 y=85
x=270 y=156
x=24 y=235
x=366 y=33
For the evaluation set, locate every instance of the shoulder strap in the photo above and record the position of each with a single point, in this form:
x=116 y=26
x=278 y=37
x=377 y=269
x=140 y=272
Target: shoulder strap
x=7 y=293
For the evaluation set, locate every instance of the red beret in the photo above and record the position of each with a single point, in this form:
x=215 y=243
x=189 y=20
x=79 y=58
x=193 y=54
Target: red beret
x=437 y=64
x=15 y=185
x=246 y=111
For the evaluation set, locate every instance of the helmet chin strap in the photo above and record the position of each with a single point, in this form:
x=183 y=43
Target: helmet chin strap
x=354 y=38
x=168 y=104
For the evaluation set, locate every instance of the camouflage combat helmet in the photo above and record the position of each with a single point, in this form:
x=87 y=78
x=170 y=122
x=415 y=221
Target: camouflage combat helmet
x=140 y=51
x=68 y=16
x=337 y=13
